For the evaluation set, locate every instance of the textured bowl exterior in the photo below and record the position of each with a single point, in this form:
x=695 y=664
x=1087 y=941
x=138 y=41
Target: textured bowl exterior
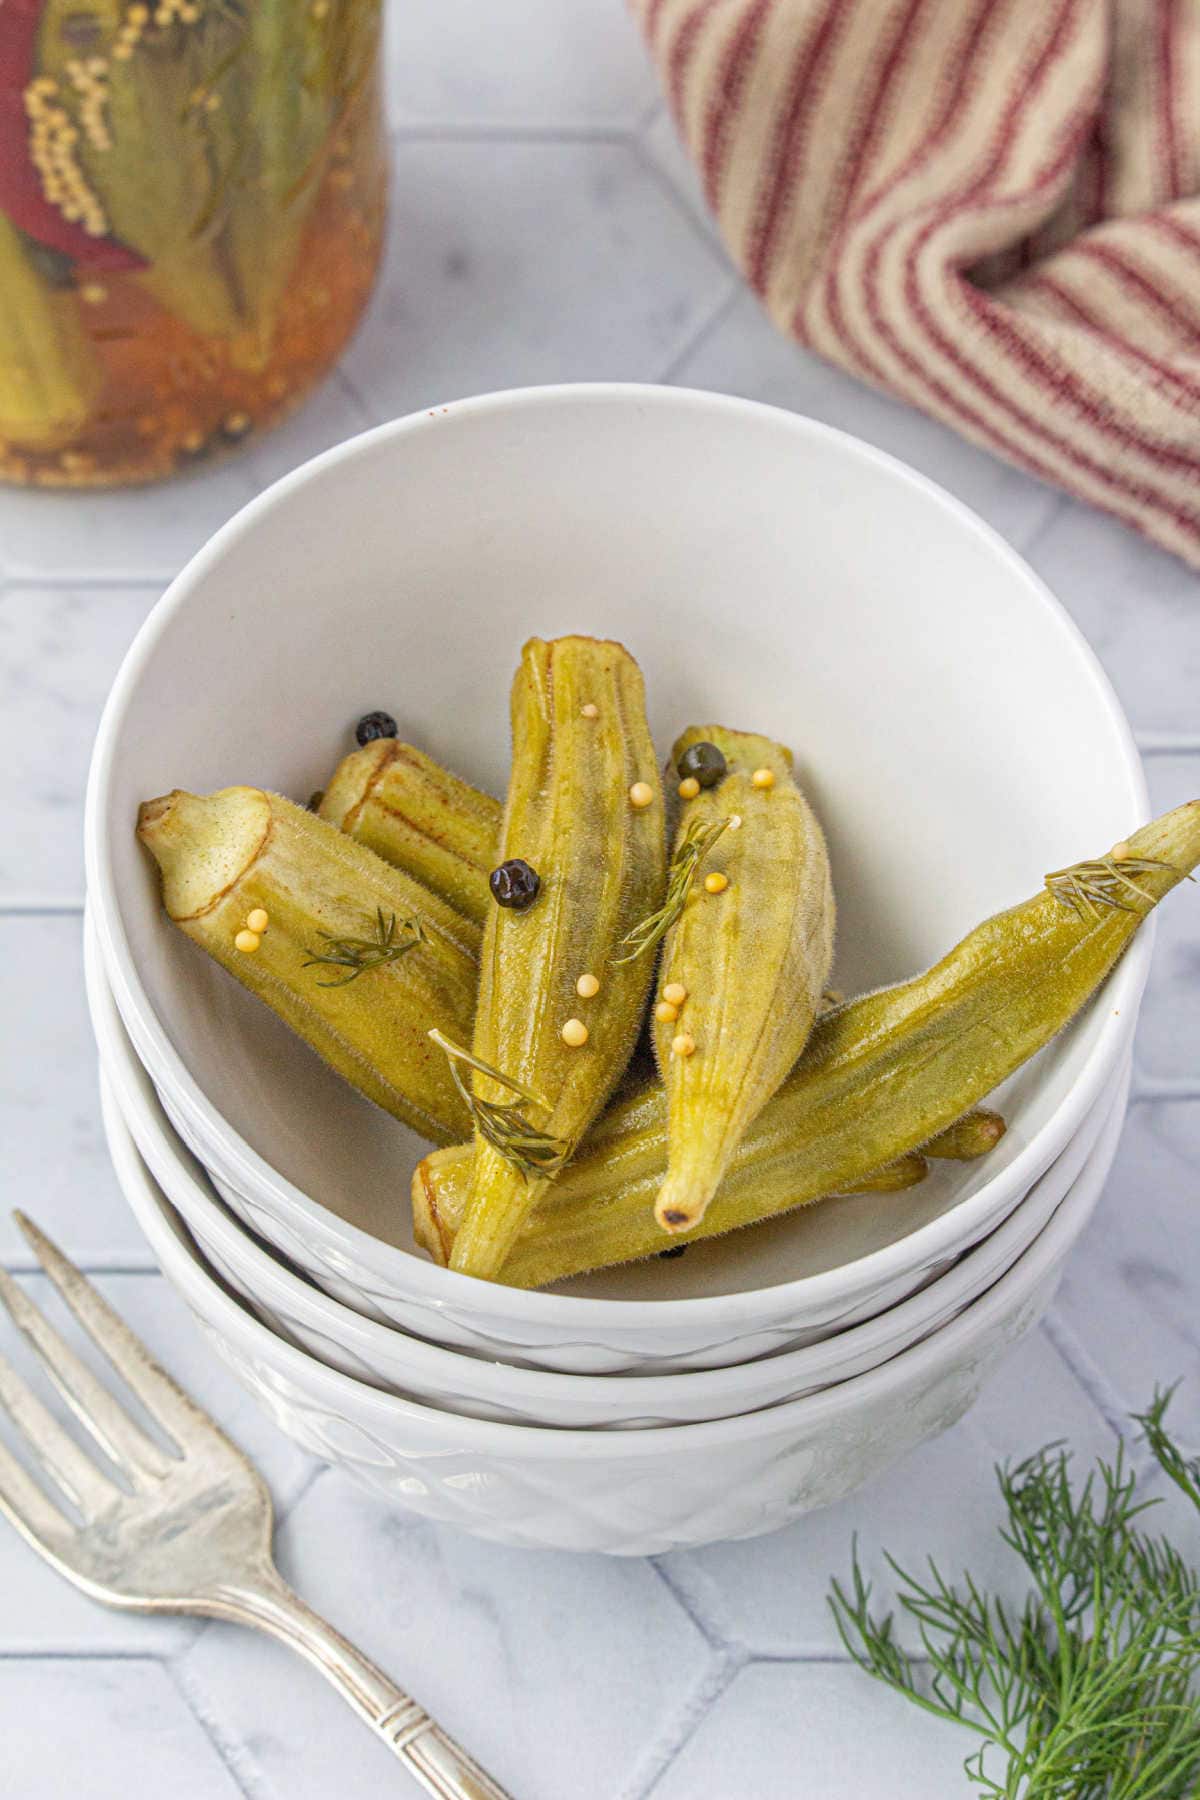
x=773 y=604
x=629 y=1493
x=384 y=1357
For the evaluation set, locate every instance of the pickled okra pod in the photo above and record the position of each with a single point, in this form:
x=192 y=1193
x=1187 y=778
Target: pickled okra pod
x=440 y=1182
x=881 y=1075
x=357 y=958
x=744 y=963
x=557 y=1018
x=420 y=818
x=49 y=376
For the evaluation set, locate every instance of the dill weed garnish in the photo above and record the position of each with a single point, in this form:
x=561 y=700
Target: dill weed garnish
x=695 y=845
x=503 y=1124
x=1085 y=1691
x=1086 y=887
x=359 y=954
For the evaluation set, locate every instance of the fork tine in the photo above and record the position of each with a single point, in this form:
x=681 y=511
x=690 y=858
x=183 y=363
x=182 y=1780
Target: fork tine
x=56 y=1451
x=27 y=1507
x=122 y=1441
x=166 y=1403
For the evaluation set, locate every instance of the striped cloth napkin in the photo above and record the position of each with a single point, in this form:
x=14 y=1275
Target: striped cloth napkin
x=988 y=207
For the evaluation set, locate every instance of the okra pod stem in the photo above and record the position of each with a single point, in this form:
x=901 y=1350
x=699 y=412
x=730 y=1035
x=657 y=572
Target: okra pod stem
x=357 y=958
x=881 y=1075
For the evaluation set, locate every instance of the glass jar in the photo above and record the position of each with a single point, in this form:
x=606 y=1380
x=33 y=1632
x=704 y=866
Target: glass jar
x=191 y=209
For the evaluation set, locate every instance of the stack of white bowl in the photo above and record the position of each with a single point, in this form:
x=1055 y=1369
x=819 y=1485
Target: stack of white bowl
x=958 y=739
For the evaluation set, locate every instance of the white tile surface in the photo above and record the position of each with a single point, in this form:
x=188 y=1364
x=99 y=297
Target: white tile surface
x=545 y=227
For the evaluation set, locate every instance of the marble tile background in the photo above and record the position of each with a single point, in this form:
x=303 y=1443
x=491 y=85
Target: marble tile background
x=545 y=227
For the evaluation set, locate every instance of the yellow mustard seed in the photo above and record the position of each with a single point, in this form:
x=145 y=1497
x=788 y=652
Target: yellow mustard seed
x=689 y=787
x=665 y=1013
x=587 y=987
x=716 y=883
x=590 y=710
x=683 y=1045
x=1120 y=851
x=763 y=778
x=641 y=794
x=258 y=920
x=247 y=942
x=675 y=993
x=575 y=1033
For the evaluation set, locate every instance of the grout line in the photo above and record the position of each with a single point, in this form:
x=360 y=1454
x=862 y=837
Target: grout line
x=702 y=333
x=1152 y=1089
x=234 y=1757
x=89 y=1266
x=68 y=580
x=693 y=1607
x=1167 y=743
x=34 y=906
x=700 y=220
x=450 y=131
x=657 y=1758
x=1086 y=1374
x=80 y=1656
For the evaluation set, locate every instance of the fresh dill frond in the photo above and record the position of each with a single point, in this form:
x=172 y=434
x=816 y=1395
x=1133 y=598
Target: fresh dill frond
x=357 y=954
x=503 y=1124
x=1087 y=886
x=695 y=845
x=1087 y=1691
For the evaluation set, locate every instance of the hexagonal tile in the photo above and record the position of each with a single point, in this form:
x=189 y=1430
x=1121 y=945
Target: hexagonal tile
x=541 y=64
x=554 y=1670
x=1129 y=1292
x=1168 y=1040
x=769 y=1594
x=100 y=1729
x=59 y=650
x=55 y=1162
x=1138 y=607
x=745 y=354
x=785 y=1729
x=513 y=263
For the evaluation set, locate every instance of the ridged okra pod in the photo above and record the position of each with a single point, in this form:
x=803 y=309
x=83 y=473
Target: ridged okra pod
x=440 y=1183
x=420 y=818
x=357 y=958
x=750 y=960
x=49 y=376
x=585 y=811
x=880 y=1076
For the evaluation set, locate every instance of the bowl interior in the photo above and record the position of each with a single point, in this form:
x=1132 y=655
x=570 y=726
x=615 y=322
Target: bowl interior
x=955 y=734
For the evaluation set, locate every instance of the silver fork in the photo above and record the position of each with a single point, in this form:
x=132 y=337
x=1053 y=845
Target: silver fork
x=193 y=1533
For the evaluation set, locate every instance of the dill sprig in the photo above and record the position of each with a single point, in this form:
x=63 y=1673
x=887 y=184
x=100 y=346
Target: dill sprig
x=1087 y=886
x=1086 y=1692
x=694 y=846
x=503 y=1124
x=357 y=954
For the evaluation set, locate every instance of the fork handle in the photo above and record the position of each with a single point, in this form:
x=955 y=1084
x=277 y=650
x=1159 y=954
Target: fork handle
x=432 y=1758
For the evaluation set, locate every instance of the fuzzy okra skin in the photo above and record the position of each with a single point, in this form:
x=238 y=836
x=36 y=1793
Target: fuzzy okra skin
x=880 y=1076
x=753 y=960
x=224 y=855
x=581 y=747
x=420 y=818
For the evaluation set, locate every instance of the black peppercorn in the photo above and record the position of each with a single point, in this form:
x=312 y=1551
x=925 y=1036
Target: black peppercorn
x=675 y=1250
x=514 y=884
x=374 y=725
x=703 y=763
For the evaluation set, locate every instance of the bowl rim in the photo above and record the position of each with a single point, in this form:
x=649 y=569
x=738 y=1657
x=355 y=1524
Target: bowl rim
x=425 y=1280
x=133 y=1093
x=951 y=1344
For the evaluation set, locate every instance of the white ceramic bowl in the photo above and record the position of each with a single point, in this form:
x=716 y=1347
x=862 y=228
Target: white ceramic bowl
x=387 y=1358
x=957 y=734
x=631 y=1493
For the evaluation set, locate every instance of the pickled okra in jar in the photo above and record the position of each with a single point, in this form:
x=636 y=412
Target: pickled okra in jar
x=191 y=207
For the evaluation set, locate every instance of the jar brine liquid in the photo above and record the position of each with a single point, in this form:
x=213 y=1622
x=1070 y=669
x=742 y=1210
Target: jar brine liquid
x=191 y=210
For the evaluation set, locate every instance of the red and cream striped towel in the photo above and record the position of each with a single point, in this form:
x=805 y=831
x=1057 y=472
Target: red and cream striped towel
x=989 y=207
